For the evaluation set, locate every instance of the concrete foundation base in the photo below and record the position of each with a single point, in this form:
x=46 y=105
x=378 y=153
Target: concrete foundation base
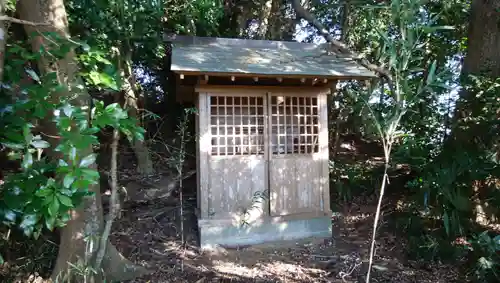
x=232 y=235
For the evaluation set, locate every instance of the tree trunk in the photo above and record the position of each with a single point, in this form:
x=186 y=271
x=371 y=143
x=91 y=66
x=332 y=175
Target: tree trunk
x=482 y=56
x=132 y=96
x=346 y=12
x=482 y=59
x=275 y=22
x=87 y=219
x=265 y=15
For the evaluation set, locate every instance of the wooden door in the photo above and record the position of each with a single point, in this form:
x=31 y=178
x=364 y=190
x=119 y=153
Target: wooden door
x=298 y=153
x=237 y=160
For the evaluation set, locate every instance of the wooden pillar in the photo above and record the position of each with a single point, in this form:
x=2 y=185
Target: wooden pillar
x=204 y=145
x=324 y=151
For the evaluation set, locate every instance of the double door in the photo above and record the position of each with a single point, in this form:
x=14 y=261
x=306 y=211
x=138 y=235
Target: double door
x=267 y=153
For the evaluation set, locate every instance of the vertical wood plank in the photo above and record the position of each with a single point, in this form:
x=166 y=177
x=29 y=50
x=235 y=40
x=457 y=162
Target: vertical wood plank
x=259 y=169
x=303 y=181
x=197 y=135
x=204 y=152
x=324 y=152
x=217 y=187
x=269 y=147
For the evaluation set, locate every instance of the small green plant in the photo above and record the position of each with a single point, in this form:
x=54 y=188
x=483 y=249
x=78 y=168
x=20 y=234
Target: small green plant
x=486 y=251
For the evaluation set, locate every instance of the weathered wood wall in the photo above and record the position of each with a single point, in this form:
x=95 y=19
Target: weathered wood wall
x=232 y=181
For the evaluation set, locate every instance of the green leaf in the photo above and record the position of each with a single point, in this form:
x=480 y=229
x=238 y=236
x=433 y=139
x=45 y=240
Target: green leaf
x=496 y=240
x=2 y=261
x=27 y=160
x=14 y=136
x=62 y=163
x=53 y=207
x=430 y=29
x=88 y=160
x=432 y=73
x=13 y=145
x=90 y=131
x=40 y=144
x=48 y=200
x=65 y=200
x=108 y=81
x=112 y=107
x=85 y=47
x=89 y=173
x=28 y=136
x=68 y=110
x=86 y=140
x=446 y=221
x=44 y=192
x=37 y=231
x=63 y=219
x=94 y=77
x=29 y=220
x=68 y=180
x=72 y=154
x=485 y=263
x=49 y=223
x=33 y=75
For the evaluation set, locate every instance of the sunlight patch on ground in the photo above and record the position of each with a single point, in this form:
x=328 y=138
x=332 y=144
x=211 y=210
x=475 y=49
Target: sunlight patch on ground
x=296 y=271
x=356 y=217
x=176 y=248
x=277 y=269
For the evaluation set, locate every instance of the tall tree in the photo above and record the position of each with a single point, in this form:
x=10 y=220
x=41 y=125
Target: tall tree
x=86 y=220
x=483 y=58
x=476 y=127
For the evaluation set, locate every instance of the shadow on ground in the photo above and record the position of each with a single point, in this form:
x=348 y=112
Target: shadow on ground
x=150 y=236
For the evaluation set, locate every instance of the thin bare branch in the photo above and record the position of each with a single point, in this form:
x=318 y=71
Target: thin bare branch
x=114 y=207
x=306 y=15
x=22 y=22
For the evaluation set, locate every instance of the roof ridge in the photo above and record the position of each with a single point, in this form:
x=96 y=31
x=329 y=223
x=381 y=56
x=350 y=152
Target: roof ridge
x=228 y=41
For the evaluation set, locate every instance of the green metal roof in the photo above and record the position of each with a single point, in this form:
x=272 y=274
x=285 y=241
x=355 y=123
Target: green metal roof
x=261 y=57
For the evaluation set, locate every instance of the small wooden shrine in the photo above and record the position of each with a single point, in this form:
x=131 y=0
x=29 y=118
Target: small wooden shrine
x=262 y=129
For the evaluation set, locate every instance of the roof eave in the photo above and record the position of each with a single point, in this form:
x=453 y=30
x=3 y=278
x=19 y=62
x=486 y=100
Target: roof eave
x=273 y=75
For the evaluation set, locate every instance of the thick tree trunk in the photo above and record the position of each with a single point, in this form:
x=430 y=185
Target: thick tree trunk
x=87 y=220
x=482 y=59
x=482 y=56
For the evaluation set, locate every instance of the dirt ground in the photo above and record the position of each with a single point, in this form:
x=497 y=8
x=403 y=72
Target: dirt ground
x=150 y=236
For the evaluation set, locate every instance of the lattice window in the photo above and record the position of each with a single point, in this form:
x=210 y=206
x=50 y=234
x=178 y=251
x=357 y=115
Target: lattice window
x=294 y=125
x=237 y=125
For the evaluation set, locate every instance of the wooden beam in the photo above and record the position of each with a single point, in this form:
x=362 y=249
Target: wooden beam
x=246 y=90
x=202 y=80
x=284 y=76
